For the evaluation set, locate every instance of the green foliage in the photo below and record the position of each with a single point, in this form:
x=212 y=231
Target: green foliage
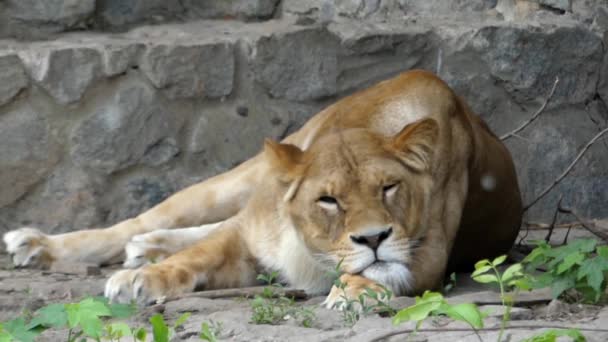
x=580 y=265
x=486 y=271
x=434 y=304
x=161 y=331
x=210 y=331
x=552 y=335
x=270 y=308
x=82 y=319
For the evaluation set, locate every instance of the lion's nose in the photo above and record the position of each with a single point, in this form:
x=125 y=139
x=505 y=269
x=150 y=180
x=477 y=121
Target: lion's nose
x=372 y=241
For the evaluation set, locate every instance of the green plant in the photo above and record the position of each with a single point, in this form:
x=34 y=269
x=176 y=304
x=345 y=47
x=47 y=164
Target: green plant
x=161 y=331
x=434 y=304
x=552 y=335
x=210 y=331
x=83 y=319
x=487 y=271
x=580 y=265
x=270 y=308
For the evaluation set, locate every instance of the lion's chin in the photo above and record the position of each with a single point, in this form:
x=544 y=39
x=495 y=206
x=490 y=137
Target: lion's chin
x=395 y=276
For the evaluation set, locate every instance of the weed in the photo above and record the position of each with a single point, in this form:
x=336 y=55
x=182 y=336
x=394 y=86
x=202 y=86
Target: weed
x=433 y=304
x=486 y=271
x=552 y=335
x=270 y=308
x=580 y=265
x=210 y=331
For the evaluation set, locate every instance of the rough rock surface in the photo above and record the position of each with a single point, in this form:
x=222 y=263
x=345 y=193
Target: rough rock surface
x=124 y=119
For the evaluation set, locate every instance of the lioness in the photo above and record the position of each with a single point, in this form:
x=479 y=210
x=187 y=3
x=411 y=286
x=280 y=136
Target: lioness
x=396 y=184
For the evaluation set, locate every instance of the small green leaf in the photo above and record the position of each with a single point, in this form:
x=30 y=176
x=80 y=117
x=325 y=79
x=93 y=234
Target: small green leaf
x=482 y=263
x=119 y=330
x=552 y=335
x=499 y=260
x=52 y=315
x=486 y=278
x=18 y=330
x=569 y=261
x=481 y=270
x=466 y=312
x=429 y=302
x=602 y=251
x=181 y=320
x=160 y=331
x=140 y=334
x=513 y=271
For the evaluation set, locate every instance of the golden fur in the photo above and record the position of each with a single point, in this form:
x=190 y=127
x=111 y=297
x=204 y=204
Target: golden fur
x=397 y=182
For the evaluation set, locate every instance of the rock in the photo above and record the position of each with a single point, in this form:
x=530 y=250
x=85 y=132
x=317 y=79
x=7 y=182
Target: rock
x=120 y=14
x=12 y=78
x=64 y=72
x=516 y=313
x=191 y=70
x=562 y=5
x=556 y=308
x=35 y=18
x=28 y=152
x=297 y=65
x=118 y=58
x=525 y=60
x=118 y=134
x=77 y=268
x=69 y=199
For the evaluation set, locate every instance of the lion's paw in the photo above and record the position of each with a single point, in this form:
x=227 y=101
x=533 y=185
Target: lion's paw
x=147 y=285
x=29 y=247
x=140 y=252
x=348 y=296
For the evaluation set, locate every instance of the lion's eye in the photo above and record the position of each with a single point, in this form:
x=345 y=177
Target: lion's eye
x=390 y=190
x=328 y=203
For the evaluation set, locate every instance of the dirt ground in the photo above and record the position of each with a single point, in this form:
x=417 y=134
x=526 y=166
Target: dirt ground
x=27 y=290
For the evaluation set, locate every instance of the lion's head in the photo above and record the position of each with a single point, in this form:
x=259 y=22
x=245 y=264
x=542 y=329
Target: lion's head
x=359 y=198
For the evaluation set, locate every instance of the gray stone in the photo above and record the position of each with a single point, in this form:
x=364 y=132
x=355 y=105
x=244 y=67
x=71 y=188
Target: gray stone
x=28 y=152
x=116 y=14
x=298 y=65
x=33 y=18
x=120 y=133
x=65 y=72
x=12 y=77
x=191 y=70
x=230 y=9
x=563 y=5
x=526 y=60
x=118 y=58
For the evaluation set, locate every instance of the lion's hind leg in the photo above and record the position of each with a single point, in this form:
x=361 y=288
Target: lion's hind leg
x=158 y=245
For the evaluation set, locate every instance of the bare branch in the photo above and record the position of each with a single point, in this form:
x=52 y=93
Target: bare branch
x=246 y=292
x=568 y=169
x=559 y=204
x=533 y=117
x=589 y=226
x=510 y=327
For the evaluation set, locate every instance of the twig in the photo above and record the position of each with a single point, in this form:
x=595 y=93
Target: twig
x=568 y=169
x=511 y=327
x=533 y=117
x=552 y=226
x=246 y=292
x=590 y=227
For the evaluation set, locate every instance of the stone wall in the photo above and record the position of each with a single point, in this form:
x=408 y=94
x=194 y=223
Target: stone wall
x=107 y=107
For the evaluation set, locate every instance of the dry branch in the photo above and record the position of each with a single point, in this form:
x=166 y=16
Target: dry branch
x=247 y=292
x=589 y=226
x=533 y=117
x=510 y=327
x=568 y=169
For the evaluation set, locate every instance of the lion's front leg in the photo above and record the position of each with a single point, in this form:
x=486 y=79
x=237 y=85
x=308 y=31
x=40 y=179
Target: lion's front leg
x=221 y=260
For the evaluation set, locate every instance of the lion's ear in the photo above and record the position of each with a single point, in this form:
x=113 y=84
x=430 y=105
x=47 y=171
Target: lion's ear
x=285 y=158
x=415 y=144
